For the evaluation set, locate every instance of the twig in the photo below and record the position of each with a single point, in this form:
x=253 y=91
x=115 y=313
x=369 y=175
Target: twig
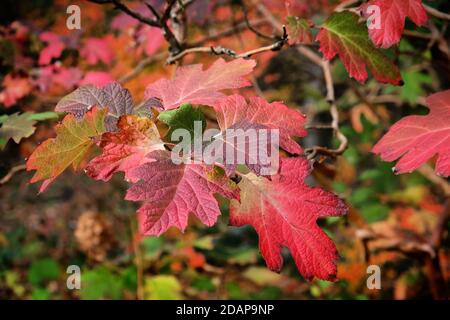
x=119 y=5
x=308 y=53
x=228 y=32
x=159 y=22
x=436 y=13
x=249 y=25
x=141 y=66
x=312 y=152
x=429 y=173
x=219 y=50
x=12 y=172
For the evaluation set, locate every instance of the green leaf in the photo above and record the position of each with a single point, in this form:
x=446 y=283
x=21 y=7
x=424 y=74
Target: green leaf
x=374 y=212
x=152 y=247
x=413 y=88
x=162 y=287
x=100 y=283
x=16 y=127
x=203 y=283
x=43 y=270
x=44 y=116
x=183 y=118
x=343 y=35
x=40 y=294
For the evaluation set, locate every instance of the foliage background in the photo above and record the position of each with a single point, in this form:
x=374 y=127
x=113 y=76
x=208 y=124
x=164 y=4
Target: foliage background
x=87 y=223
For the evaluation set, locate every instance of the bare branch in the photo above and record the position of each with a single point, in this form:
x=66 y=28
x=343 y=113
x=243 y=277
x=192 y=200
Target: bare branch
x=12 y=172
x=219 y=50
x=119 y=5
x=436 y=13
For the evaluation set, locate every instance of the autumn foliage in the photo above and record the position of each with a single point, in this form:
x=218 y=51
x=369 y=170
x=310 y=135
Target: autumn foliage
x=122 y=89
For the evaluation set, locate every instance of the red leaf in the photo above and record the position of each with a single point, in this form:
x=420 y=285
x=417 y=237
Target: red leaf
x=343 y=35
x=126 y=149
x=98 y=78
x=283 y=212
x=97 y=49
x=416 y=139
x=16 y=88
x=235 y=109
x=54 y=48
x=172 y=191
x=193 y=85
x=392 y=19
x=151 y=38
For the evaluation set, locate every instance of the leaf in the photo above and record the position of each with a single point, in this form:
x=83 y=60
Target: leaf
x=252 y=132
x=235 y=109
x=193 y=85
x=170 y=192
x=183 y=118
x=283 y=212
x=126 y=149
x=43 y=270
x=96 y=50
x=113 y=96
x=16 y=87
x=100 y=283
x=54 y=47
x=162 y=287
x=392 y=19
x=120 y=101
x=72 y=144
x=299 y=30
x=82 y=99
x=16 y=127
x=413 y=88
x=343 y=35
x=151 y=38
x=416 y=139
x=97 y=78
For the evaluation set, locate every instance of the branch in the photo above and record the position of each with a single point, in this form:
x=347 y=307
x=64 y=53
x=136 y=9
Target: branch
x=12 y=172
x=219 y=50
x=436 y=13
x=141 y=66
x=119 y=5
x=249 y=25
x=312 y=152
x=159 y=22
x=429 y=173
x=308 y=53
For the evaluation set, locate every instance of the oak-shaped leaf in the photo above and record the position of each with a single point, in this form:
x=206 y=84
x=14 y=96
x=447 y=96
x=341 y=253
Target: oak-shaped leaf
x=236 y=109
x=283 y=212
x=416 y=139
x=193 y=85
x=113 y=96
x=73 y=141
x=170 y=192
x=18 y=126
x=125 y=149
x=387 y=19
x=343 y=35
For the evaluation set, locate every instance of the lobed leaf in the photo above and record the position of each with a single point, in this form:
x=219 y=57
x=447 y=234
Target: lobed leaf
x=416 y=139
x=193 y=85
x=284 y=220
x=71 y=146
x=343 y=35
